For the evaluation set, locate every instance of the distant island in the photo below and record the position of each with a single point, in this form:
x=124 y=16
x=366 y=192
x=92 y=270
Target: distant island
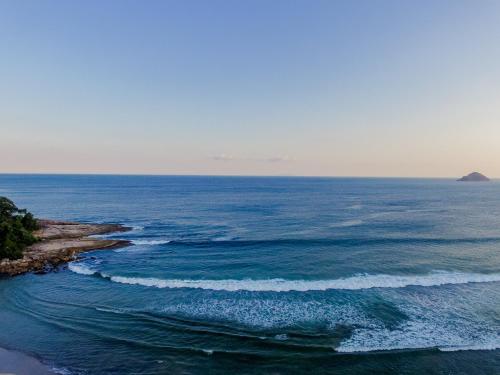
x=474 y=177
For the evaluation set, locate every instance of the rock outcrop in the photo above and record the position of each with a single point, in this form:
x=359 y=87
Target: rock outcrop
x=61 y=242
x=474 y=177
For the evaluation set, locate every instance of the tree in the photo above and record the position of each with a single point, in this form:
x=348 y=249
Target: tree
x=7 y=208
x=16 y=227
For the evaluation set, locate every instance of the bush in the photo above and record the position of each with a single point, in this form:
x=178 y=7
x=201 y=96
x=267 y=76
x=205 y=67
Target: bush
x=16 y=227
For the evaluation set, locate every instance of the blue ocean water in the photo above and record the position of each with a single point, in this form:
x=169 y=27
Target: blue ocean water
x=260 y=275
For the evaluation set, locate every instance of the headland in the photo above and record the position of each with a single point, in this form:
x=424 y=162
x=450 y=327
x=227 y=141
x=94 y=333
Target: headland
x=60 y=242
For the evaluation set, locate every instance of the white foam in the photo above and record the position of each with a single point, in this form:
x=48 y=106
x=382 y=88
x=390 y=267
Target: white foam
x=356 y=207
x=282 y=285
x=110 y=310
x=444 y=334
x=223 y=238
x=281 y=337
x=439 y=318
x=81 y=269
x=347 y=223
x=275 y=312
x=150 y=242
x=60 y=371
x=493 y=345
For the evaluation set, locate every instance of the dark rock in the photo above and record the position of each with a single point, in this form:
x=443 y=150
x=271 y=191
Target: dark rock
x=44 y=269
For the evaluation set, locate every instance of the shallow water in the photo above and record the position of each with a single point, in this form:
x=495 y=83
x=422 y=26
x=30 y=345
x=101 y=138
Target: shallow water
x=265 y=275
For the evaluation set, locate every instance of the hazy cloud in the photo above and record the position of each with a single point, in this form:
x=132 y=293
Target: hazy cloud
x=278 y=159
x=222 y=157
x=272 y=159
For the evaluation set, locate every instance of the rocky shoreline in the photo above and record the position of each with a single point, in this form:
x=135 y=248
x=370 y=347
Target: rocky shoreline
x=60 y=242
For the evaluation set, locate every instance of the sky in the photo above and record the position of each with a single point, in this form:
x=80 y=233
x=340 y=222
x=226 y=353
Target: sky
x=272 y=87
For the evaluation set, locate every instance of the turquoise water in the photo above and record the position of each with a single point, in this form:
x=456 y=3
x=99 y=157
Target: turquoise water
x=265 y=275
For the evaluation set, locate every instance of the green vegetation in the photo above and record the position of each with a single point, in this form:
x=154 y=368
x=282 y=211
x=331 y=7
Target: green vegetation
x=16 y=227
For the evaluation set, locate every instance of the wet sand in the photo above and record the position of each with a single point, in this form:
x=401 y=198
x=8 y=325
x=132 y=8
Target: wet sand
x=12 y=362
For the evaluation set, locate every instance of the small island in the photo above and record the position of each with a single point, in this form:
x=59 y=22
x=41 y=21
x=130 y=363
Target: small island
x=37 y=245
x=474 y=177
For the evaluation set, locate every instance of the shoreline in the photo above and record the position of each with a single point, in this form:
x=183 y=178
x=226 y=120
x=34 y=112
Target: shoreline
x=16 y=362
x=60 y=242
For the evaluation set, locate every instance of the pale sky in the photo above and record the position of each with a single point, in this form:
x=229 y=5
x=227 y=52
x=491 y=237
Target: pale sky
x=272 y=87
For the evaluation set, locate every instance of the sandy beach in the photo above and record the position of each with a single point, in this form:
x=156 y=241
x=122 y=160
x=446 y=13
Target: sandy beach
x=12 y=362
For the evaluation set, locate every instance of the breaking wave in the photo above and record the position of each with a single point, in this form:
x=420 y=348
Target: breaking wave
x=440 y=334
x=81 y=269
x=433 y=321
x=281 y=285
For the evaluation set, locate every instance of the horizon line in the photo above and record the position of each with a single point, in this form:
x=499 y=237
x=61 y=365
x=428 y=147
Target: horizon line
x=221 y=175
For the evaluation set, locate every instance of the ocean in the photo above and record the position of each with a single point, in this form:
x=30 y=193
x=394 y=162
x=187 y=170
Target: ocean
x=264 y=275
